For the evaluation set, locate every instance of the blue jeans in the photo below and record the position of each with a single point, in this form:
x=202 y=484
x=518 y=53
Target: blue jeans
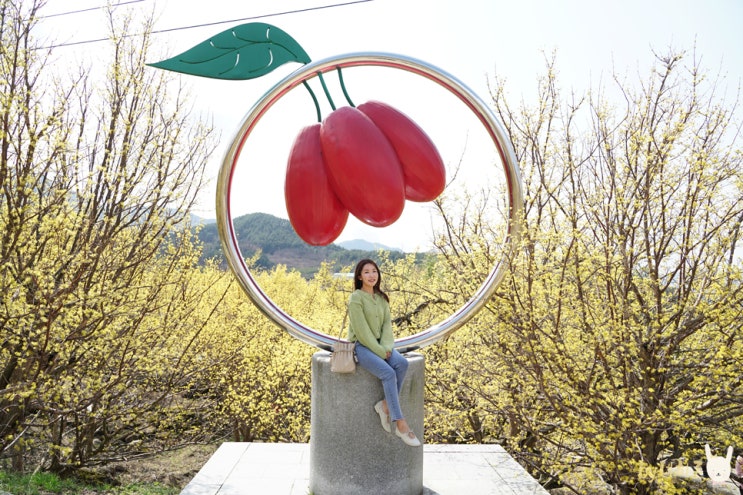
x=392 y=373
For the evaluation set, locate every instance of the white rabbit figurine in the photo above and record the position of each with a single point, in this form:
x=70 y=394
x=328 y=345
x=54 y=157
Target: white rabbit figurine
x=718 y=468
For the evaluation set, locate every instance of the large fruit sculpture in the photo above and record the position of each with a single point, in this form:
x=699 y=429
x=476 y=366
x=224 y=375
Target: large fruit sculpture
x=366 y=160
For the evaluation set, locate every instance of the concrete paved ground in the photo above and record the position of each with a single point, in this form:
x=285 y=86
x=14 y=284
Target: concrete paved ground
x=238 y=468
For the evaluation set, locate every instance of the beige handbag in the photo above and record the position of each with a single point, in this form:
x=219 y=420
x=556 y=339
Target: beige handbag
x=343 y=357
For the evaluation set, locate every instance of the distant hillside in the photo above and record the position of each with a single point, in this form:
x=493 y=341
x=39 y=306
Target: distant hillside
x=366 y=245
x=197 y=220
x=281 y=245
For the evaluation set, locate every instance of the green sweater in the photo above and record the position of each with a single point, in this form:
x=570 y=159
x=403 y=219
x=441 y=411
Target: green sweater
x=370 y=322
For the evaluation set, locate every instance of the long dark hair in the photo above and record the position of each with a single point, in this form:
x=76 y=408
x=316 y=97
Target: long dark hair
x=357 y=284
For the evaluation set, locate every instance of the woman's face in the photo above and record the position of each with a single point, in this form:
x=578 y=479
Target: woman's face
x=369 y=277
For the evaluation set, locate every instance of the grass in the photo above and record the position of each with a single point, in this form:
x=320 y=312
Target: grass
x=42 y=483
x=163 y=474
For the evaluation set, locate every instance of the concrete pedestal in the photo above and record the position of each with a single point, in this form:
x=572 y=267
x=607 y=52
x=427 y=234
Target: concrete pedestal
x=350 y=453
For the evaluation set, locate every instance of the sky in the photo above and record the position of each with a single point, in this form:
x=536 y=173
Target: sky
x=475 y=41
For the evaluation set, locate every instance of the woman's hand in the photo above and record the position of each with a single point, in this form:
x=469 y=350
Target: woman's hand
x=389 y=353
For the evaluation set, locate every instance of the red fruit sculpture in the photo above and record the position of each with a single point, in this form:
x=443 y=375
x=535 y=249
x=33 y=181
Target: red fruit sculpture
x=423 y=169
x=366 y=160
x=315 y=212
x=363 y=167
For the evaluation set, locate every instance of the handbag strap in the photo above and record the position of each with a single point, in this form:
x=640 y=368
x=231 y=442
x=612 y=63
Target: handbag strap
x=343 y=325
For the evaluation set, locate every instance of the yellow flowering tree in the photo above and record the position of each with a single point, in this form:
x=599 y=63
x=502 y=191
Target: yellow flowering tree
x=96 y=255
x=615 y=341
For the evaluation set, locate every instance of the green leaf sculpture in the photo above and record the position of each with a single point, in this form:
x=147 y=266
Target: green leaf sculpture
x=243 y=52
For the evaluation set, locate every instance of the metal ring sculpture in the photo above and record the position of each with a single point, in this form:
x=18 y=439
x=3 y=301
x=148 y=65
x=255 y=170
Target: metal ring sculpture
x=224 y=189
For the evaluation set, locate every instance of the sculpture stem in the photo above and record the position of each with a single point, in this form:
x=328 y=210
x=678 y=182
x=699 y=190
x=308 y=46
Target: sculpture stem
x=343 y=87
x=325 y=88
x=314 y=99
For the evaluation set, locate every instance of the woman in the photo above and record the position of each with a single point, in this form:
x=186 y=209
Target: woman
x=371 y=329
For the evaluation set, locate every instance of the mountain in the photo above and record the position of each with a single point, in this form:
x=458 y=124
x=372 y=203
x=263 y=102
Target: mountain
x=280 y=245
x=197 y=220
x=364 y=245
